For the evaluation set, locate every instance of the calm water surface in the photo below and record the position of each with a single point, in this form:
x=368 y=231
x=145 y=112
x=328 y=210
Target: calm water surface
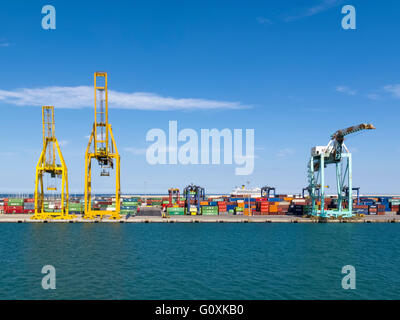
x=199 y=261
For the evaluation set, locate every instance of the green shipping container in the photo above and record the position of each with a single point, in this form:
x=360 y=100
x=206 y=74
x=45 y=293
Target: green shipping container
x=209 y=210
x=176 y=211
x=16 y=200
x=129 y=204
x=125 y=212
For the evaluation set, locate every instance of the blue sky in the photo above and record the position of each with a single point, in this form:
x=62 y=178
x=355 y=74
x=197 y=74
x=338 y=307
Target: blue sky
x=285 y=69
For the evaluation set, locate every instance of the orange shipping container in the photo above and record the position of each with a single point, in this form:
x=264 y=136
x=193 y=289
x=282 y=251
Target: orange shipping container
x=273 y=208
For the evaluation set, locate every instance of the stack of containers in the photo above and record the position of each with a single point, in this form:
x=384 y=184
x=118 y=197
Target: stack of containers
x=129 y=206
x=263 y=206
x=1 y=206
x=154 y=202
x=29 y=205
x=373 y=209
x=14 y=205
x=367 y=201
x=239 y=209
x=283 y=207
x=385 y=202
x=75 y=208
x=181 y=203
x=192 y=210
x=230 y=207
x=209 y=210
x=394 y=204
x=298 y=207
x=222 y=207
x=104 y=204
x=360 y=209
x=273 y=208
x=381 y=209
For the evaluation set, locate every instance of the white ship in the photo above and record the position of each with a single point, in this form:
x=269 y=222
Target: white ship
x=243 y=191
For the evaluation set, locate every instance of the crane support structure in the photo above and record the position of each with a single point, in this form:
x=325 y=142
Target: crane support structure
x=195 y=194
x=266 y=192
x=336 y=153
x=47 y=164
x=103 y=148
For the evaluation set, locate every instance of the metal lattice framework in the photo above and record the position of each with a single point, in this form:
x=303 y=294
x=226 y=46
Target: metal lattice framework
x=336 y=153
x=47 y=165
x=103 y=148
x=266 y=192
x=195 y=193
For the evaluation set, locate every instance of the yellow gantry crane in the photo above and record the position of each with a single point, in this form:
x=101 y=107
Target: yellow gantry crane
x=103 y=148
x=47 y=164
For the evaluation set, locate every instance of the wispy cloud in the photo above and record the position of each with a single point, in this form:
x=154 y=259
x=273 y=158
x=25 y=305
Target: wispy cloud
x=393 y=89
x=7 y=154
x=318 y=8
x=135 y=151
x=4 y=43
x=82 y=96
x=373 y=96
x=346 y=90
x=262 y=20
x=63 y=143
x=285 y=152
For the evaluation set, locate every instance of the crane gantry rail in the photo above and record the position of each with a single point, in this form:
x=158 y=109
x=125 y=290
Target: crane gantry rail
x=103 y=148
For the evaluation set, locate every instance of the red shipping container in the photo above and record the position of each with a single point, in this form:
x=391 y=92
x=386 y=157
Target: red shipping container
x=10 y=211
x=29 y=211
x=15 y=207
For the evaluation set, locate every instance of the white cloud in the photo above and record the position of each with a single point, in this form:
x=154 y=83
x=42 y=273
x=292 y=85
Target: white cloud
x=63 y=143
x=4 y=43
x=262 y=20
x=285 y=152
x=135 y=151
x=346 y=90
x=82 y=96
x=7 y=154
x=320 y=7
x=393 y=89
x=373 y=96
